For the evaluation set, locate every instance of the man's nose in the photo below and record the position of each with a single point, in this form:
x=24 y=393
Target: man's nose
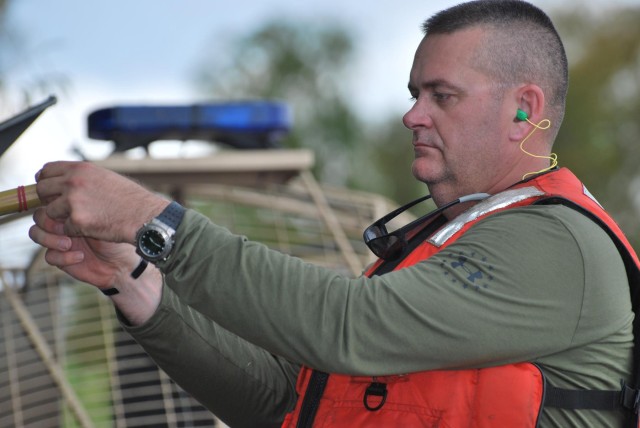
x=417 y=116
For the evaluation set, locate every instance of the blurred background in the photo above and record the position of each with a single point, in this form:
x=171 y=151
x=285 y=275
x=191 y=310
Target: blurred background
x=342 y=67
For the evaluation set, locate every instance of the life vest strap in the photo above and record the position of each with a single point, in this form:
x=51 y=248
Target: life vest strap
x=626 y=397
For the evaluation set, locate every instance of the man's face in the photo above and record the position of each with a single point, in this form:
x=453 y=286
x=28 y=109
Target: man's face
x=455 y=118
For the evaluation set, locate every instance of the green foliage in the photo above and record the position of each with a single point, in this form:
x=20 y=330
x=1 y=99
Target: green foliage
x=384 y=163
x=600 y=133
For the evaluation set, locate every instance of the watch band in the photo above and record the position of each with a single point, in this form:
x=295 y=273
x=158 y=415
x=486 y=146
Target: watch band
x=135 y=274
x=172 y=215
x=110 y=291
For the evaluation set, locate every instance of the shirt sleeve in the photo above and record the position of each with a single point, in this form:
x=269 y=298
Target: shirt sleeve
x=240 y=383
x=512 y=289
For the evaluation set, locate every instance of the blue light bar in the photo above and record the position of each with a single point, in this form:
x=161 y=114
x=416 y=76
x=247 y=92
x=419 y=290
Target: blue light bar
x=242 y=124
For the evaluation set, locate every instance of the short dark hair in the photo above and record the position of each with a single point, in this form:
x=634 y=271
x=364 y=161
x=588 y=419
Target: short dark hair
x=524 y=47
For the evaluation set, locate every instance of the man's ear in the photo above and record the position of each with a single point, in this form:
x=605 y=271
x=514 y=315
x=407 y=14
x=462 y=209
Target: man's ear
x=529 y=106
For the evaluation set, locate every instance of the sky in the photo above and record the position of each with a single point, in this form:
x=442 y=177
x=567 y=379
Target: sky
x=145 y=51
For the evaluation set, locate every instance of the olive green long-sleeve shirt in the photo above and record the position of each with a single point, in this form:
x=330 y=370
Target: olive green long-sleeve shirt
x=237 y=319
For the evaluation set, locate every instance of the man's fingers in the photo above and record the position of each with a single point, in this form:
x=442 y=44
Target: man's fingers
x=50 y=179
x=49 y=240
x=53 y=169
x=48 y=232
x=62 y=259
x=48 y=224
x=58 y=209
x=51 y=188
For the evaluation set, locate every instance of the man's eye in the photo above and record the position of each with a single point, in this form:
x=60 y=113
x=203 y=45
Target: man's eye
x=441 y=97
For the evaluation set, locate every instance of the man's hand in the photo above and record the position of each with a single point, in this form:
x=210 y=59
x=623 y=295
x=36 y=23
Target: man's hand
x=102 y=264
x=94 y=202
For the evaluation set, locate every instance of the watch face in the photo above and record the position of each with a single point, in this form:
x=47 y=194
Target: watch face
x=152 y=243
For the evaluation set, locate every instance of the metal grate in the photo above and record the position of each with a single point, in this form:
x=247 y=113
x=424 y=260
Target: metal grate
x=65 y=361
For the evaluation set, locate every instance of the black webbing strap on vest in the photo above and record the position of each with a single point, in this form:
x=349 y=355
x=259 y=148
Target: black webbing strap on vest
x=628 y=396
x=625 y=398
x=311 y=402
x=318 y=380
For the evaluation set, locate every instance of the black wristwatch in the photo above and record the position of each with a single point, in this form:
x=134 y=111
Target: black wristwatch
x=154 y=240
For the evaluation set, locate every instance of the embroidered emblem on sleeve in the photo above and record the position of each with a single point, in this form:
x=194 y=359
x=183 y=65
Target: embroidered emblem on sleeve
x=472 y=271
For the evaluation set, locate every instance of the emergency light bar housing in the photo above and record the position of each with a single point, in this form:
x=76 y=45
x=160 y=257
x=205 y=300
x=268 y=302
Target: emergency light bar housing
x=242 y=124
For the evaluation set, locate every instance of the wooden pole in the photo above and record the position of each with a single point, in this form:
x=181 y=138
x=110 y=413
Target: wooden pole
x=332 y=223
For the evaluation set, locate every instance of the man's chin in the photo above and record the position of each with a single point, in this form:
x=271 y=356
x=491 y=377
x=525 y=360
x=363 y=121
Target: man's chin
x=425 y=171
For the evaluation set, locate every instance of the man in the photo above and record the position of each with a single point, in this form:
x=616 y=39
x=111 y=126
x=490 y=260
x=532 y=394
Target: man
x=461 y=322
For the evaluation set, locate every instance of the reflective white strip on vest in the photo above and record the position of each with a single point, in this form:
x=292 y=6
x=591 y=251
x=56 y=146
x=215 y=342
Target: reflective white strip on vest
x=588 y=194
x=495 y=202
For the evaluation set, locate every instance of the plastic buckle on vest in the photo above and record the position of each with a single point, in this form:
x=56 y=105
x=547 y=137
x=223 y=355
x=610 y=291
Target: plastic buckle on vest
x=630 y=398
x=377 y=389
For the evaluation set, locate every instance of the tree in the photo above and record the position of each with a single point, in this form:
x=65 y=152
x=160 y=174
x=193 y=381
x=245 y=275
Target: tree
x=600 y=133
x=384 y=162
x=303 y=64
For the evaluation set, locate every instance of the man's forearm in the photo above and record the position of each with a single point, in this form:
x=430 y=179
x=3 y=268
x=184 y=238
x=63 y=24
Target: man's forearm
x=240 y=383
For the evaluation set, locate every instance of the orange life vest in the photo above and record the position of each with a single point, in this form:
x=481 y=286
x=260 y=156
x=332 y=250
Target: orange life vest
x=503 y=396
